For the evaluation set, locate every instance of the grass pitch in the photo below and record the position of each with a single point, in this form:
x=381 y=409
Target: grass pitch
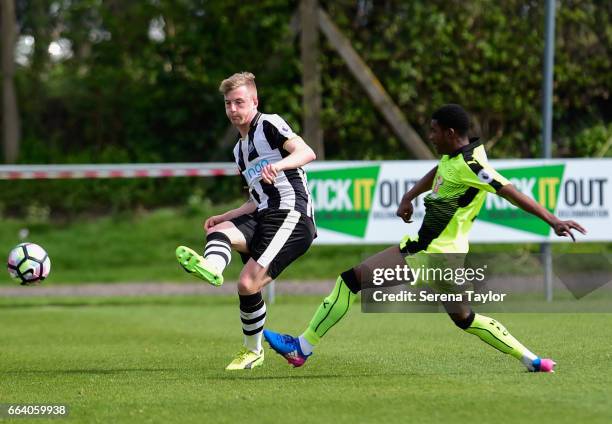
x=140 y=247
x=162 y=360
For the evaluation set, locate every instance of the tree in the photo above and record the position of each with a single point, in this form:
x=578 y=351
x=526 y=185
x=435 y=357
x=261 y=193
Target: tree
x=10 y=114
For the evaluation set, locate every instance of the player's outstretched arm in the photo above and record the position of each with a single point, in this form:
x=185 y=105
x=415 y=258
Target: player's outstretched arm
x=248 y=207
x=300 y=154
x=562 y=228
x=405 y=208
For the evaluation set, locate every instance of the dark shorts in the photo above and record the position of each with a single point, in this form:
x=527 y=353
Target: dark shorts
x=275 y=237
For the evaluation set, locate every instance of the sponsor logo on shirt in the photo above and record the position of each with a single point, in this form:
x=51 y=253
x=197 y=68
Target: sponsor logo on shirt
x=254 y=171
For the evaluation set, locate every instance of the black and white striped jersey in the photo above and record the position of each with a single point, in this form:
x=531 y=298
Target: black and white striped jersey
x=263 y=146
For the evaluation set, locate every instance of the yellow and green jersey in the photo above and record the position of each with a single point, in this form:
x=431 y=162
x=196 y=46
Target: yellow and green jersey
x=458 y=192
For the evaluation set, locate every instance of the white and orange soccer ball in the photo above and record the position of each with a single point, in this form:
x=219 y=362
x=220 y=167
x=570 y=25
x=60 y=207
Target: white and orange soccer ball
x=29 y=263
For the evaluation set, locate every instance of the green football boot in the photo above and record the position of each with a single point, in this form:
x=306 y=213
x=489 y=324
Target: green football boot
x=198 y=266
x=246 y=359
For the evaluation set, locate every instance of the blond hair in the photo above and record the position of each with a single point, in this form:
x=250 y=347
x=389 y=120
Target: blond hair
x=238 y=80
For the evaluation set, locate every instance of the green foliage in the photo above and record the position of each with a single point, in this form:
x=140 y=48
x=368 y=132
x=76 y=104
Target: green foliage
x=594 y=141
x=153 y=100
x=125 y=97
x=485 y=55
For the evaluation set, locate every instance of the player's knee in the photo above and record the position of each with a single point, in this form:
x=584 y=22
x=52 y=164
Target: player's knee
x=350 y=279
x=462 y=320
x=247 y=284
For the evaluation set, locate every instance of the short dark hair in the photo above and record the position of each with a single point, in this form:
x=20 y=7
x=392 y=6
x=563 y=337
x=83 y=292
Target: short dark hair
x=453 y=116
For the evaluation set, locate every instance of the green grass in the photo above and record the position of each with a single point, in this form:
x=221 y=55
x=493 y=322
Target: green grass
x=163 y=362
x=140 y=247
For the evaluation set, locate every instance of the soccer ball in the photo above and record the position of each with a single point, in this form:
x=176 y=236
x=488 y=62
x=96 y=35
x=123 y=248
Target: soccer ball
x=28 y=263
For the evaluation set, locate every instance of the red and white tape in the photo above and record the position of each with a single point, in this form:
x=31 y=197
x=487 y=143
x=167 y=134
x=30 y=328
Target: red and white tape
x=141 y=170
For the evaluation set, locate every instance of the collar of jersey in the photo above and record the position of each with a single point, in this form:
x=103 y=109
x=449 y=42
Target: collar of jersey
x=474 y=142
x=255 y=119
x=253 y=124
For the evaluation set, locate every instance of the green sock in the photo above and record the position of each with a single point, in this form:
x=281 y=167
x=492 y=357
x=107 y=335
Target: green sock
x=333 y=308
x=493 y=333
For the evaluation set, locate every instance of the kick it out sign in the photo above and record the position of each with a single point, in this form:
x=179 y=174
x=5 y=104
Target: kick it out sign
x=355 y=202
x=343 y=198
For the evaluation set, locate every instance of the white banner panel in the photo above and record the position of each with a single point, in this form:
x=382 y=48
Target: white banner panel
x=355 y=202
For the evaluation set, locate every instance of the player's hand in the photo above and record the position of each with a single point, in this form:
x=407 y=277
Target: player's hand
x=405 y=211
x=212 y=221
x=269 y=173
x=564 y=228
